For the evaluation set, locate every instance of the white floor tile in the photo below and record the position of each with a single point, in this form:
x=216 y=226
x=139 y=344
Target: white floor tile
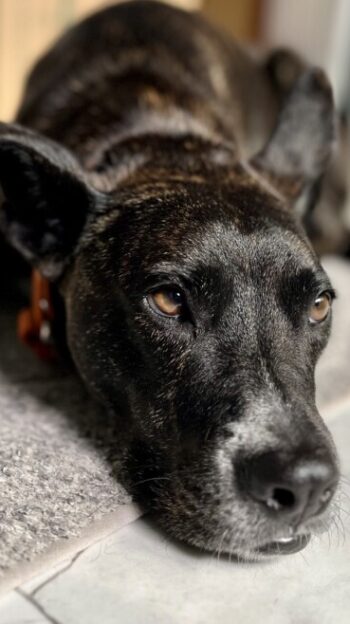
x=14 y=609
x=137 y=576
x=31 y=586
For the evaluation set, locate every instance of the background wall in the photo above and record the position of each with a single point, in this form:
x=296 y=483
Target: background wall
x=318 y=29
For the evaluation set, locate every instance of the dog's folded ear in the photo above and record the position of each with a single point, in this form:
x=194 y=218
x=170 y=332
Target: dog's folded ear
x=300 y=147
x=45 y=198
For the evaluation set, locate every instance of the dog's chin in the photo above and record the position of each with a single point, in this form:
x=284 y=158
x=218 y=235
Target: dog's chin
x=282 y=546
x=291 y=543
x=269 y=541
x=285 y=544
x=261 y=551
x=265 y=550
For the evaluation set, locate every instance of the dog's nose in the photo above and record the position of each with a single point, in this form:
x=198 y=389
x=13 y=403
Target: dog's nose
x=299 y=490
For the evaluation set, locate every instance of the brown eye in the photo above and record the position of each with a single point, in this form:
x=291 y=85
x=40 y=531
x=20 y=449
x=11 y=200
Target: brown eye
x=167 y=302
x=321 y=308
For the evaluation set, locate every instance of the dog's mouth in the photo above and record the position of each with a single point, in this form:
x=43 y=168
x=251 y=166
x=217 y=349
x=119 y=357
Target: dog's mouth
x=285 y=545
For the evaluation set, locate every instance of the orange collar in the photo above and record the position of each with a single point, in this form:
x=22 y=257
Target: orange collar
x=34 y=324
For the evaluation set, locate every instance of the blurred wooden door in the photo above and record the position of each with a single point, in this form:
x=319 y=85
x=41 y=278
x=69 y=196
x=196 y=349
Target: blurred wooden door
x=239 y=17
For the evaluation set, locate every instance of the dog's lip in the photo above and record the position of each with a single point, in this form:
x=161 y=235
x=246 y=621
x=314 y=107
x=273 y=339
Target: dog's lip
x=285 y=545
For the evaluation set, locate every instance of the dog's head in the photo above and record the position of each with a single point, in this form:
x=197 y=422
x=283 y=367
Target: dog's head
x=197 y=308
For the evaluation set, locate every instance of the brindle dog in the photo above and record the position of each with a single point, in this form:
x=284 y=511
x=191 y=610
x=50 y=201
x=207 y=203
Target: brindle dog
x=158 y=179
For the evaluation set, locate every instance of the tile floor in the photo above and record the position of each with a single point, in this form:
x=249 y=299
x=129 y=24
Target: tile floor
x=138 y=576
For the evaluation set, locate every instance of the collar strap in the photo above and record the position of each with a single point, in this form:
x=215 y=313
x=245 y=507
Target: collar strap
x=34 y=324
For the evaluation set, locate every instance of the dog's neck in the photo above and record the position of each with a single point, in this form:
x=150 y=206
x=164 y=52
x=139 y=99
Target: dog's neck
x=173 y=122
x=169 y=138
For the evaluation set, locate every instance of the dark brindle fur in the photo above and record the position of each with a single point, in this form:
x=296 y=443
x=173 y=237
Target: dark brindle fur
x=151 y=152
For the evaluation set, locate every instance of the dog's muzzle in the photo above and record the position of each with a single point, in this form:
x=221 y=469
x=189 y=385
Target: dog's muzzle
x=291 y=493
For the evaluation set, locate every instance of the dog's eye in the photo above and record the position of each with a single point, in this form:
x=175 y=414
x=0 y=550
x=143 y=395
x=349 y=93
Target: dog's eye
x=167 y=301
x=320 y=308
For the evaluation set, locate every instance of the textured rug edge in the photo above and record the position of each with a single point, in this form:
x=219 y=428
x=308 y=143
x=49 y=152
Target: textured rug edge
x=63 y=549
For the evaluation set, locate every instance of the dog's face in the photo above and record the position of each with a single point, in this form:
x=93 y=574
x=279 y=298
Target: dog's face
x=202 y=308
x=196 y=303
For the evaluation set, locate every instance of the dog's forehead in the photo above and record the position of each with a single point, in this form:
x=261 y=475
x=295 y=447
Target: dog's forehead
x=220 y=254
x=229 y=241
x=206 y=231
x=213 y=233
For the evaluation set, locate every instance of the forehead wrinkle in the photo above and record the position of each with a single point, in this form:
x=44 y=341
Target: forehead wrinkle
x=219 y=254
x=249 y=254
x=210 y=245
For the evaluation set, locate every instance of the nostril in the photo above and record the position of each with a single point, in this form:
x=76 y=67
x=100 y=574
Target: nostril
x=290 y=501
x=282 y=498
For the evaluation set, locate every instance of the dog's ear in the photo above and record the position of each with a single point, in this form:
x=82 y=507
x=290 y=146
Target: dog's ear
x=300 y=147
x=45 y=198
x=283 y=68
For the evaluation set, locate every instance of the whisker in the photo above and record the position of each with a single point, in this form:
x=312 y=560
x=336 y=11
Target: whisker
x=219 y=551
x=151 y=479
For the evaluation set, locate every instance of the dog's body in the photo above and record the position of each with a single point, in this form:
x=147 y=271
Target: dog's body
x=158 y=189
x=157 y=70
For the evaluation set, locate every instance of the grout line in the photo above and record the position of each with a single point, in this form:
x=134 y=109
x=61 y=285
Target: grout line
x=56 y=575
x=37 y=606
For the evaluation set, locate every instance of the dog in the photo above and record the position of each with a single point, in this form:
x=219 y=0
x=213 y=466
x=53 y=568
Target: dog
x=158 y=178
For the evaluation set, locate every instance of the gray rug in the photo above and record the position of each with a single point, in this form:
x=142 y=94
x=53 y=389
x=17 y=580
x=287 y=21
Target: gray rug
x=54 y=442
x=55 y=479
